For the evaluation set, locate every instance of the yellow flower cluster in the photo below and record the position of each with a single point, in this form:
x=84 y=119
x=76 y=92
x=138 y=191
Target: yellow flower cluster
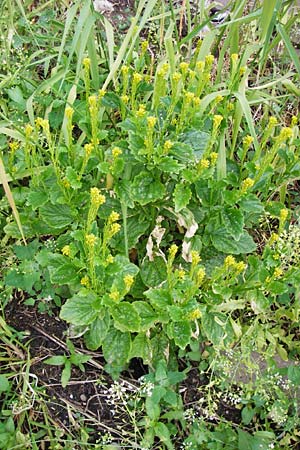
x=28 y=131
x=172 y=251
x=230 y=263
x=109 y=259
x=247 y=184
x=151 y=121
x=128 y=280
x=217 y=119
x=66 y=250
x=184 y=67
x=213 y=158
x=285 y=134
x=113 y=217
x=176 y=77
x=204 y=164
x=85 y=281
x=88 y=148
x=116 y=151
x=247 y=141
x=69 y=112
x=97 y=199
x=137 y=77
x=272 y=122
x=200 y=276
x=115 y=295
x=144 y=46
x=278 y=272
x=167 y=146
x=194 y=315
x=114 y=229
x=90 y=240
x=86 y=63
x=125 y=99
x=141 y=111
x=283 y=214
x=196 y=258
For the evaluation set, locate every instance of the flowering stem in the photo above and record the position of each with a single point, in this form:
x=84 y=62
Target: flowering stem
x=124 y=209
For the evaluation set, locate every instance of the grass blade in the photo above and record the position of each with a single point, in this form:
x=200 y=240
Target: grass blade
x=10 y=198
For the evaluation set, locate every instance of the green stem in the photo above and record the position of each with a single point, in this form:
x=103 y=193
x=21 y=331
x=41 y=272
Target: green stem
x=124 y=214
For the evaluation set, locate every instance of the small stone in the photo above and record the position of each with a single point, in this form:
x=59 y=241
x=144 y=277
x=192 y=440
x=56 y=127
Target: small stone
x=83 y=398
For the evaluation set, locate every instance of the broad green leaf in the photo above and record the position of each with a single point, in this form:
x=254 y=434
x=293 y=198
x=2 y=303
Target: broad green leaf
x=162 y=432
x=146 y=313
x=37 y=198
x=73 y=178
x=251 y=204
x=294 y=374
x=146 y=189
x=58 y=360
x=152 y=409
x=81 y=309
x=66 y=374
x=4 y=384
x=28 y=251
x=57 y=216
x=96 y=334
x=141 y=348
x=170 y=165
x=233 y=220
x=64 y=274
x=217 y=328
x=160 y=298
x=116 y=347
x=154 y=272
x=182 y=195
x=197 y=140
x=126 y=317
x=182 y=333
x=223 y=242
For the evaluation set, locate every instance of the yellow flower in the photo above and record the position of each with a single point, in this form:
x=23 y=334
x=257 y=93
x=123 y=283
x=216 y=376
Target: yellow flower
x=125 y=99
x=240 y=266
x=184 y=66
x=128 y=280
x=247 y=141
x=189 y=96
x=278 y=272
x=219 y=98
x=13 y=146
x=234 y=57
x=285 y=134
x=66 y=250
x=273 y=238
x=200 y=276
x=294 y=121
x=176 y=77
x=88 y=148
x=144 y=46
x=28 y=131
x=230 y=106
x=195 y=257
x=114 y=229
x=113 y=217
x=272 y=122
x=151 y=121
x=172 y=251
x=69 y=112
x=180 y=274
x=90 y=239
x=115 y=295
x=93 y=101
x=109 y=259
x=283 y=214
x=85 y=281
x=66 y=183
x=200 y=66
x=247 y=184
x=167 y=146
x=101 y=93
x=192 y=74
x=217 y=119
x=229 y=261
x=124 y=70
x=213 y=158
x=204 y=163
x=196 y=101
x=86 y=63
x=137 y=77
x=97 y=199
x=116 y=151
x=194 y=315
x=209 y=59
x=141 y=111
x=243 y=70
